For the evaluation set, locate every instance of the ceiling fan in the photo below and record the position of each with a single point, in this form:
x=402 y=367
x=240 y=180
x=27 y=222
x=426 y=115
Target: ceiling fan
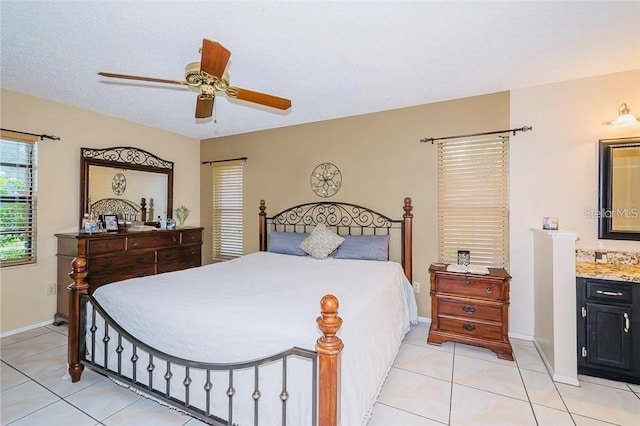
x=209 y=77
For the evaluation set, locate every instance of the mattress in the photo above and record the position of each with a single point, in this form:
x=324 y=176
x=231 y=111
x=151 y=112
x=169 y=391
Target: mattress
x=261 y=304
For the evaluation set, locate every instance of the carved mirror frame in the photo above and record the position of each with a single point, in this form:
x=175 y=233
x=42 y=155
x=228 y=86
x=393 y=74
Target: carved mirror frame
x=605 y=191
x=122 y=157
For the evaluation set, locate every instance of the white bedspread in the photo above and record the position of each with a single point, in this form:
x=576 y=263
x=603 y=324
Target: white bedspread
x=264 y=303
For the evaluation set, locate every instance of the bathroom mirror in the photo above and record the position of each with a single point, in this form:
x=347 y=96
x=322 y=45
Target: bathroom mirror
x=130 y=182
x=619 y=192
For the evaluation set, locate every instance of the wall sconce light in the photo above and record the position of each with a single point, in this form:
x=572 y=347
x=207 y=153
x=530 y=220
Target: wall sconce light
x=624 y=117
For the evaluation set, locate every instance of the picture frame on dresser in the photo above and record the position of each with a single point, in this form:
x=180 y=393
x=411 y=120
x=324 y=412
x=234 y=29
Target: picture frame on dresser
x=110 y=222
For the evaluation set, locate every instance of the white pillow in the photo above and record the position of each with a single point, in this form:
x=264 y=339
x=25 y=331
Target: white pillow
x=322 y=242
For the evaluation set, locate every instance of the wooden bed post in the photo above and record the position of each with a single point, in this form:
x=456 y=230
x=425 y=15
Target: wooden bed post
x=143 y=210
x=76 y=290
x=407 y=243
x=329 y=347
x=262 y=218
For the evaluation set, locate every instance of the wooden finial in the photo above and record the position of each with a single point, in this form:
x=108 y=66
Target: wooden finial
x=407 y=207
x=329 y=347
x=329 y=323
x=262 y=226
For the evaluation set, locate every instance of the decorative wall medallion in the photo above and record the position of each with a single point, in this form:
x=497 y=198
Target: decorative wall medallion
x=119 y=184
x=326 y=180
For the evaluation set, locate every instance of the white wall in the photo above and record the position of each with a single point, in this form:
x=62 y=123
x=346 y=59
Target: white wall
x=554 y=169
x=24 y=288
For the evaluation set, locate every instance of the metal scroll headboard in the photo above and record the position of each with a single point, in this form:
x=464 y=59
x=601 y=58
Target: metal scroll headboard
x=124 y=209
x=349 y=219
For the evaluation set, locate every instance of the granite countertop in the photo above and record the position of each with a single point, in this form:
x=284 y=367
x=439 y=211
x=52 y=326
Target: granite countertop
x=608 y=271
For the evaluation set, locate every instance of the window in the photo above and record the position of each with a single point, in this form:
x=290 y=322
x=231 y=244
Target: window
x=473 y=210
x=227 y=209
x=18 y=186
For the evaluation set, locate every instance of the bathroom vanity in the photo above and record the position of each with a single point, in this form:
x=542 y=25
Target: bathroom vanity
x=608 y=321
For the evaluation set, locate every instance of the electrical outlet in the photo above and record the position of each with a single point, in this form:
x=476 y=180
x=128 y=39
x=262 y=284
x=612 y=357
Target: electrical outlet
x=51 y=290
x=416 y=287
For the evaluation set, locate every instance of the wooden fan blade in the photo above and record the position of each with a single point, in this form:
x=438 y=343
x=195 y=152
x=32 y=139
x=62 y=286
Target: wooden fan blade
x=214 y=58
x=259 y=98
x=204 y=107
x=135 y=77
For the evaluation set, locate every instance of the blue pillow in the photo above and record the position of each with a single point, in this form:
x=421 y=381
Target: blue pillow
x=287 y=242
x=364 y=247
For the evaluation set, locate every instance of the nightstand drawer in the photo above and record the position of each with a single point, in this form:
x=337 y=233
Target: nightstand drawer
x=470 y=286
x=469 y=309
x=470 y=328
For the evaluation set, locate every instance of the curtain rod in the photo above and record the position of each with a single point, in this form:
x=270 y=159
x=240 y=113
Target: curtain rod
x=53 y=138
x=224 y=161
x=519 y=129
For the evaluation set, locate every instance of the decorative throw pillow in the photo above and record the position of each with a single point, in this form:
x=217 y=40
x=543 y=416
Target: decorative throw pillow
x=364 y=247
x=287 y=242
x=322 y=242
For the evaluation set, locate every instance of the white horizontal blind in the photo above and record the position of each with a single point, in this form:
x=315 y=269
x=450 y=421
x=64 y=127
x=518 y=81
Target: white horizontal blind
x=473 y=177
x=18 y=185
x=227 y=209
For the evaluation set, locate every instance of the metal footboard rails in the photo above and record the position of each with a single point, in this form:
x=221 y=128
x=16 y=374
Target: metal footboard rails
x=113 y=338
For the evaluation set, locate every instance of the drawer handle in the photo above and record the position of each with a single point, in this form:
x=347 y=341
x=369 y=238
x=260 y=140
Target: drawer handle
x=175 y=239
x=135 y=243
x=140 y=259
x=489 y=290
x=193 y=251
x=609 y=293
x=468 y=309
x=106 y=265
x=107 y=245
x=626 y=322
x=468 y=327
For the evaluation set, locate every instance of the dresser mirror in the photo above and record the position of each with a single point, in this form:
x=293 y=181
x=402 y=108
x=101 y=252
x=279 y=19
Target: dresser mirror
x=619 y=192
x=129 y=182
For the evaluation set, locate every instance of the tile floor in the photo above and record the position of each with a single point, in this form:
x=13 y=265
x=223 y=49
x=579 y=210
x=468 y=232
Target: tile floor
x=452 y=384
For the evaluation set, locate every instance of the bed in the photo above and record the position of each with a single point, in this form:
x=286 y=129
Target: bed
x=127 y=211
x=238 y=342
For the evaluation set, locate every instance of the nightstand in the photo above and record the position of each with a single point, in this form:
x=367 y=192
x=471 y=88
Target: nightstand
x=471 y=309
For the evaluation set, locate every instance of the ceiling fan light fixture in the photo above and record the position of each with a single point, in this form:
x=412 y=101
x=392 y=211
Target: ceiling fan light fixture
x=192 y=74
x=625 y=118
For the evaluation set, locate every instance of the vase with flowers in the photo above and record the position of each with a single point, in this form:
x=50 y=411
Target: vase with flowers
x=182 y=213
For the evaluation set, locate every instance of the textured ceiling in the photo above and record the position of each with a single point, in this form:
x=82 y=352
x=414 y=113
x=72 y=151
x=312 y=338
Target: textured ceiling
x=332 y=59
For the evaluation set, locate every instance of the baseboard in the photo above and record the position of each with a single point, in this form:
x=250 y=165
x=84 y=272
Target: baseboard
x=567 y=380
x=521 y=336
x=26 y=328
x=556 y=377
x=424 y=319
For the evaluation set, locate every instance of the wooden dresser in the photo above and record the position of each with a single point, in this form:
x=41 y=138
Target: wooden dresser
x=471 y=309
x=118 y=256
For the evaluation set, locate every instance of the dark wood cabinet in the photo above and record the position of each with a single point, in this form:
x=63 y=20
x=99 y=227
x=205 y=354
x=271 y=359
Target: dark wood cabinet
x=113 y=257
x=608 y=319
x=471 y=309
